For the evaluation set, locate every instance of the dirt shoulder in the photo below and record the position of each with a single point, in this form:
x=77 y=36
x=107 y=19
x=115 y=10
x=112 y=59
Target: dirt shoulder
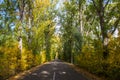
x=22 y=74
x=86 y=73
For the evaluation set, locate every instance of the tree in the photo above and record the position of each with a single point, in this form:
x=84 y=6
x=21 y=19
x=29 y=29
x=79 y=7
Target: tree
x=71 y=33
x=102 y=9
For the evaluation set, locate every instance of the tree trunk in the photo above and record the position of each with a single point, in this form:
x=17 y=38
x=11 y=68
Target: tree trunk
x=80 y=19
x=103 y=29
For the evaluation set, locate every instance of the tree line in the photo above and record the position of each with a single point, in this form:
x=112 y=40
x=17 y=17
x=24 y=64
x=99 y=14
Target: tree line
x=90 y=33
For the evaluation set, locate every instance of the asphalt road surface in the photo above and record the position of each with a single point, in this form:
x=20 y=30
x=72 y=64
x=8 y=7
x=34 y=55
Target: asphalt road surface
x=54 y=70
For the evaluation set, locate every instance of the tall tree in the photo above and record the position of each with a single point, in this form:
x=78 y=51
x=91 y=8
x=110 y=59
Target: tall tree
x=70 y=28
x=102 y=9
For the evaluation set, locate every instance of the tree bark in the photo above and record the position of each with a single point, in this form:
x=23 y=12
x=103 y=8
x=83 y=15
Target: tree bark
x=100 y=11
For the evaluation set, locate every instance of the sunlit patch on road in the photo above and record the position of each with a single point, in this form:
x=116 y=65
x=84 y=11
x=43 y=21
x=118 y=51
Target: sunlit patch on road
x=45 y=72
x=34 y=74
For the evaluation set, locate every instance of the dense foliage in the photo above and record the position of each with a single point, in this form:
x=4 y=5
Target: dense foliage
x=83 y=32
x=26 y=34
x=90 y=35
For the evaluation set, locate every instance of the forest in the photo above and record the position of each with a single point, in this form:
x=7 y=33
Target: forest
x=83 y=32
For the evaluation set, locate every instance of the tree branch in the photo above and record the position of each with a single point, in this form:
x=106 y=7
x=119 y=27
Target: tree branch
x=94 y=4
x=96 y=7
x=115 y=25
x=106 y=4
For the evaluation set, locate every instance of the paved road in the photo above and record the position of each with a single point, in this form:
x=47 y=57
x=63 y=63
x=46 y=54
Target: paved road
x=55 y=70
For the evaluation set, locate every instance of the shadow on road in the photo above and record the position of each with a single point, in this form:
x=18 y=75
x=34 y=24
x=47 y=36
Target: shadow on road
x=54 y=70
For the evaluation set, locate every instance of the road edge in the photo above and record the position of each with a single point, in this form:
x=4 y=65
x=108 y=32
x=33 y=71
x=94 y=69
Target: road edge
x=85 y=73
x=22 y=74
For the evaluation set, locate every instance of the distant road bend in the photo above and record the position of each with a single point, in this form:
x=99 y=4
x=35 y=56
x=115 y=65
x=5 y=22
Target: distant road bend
x=54 y=70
